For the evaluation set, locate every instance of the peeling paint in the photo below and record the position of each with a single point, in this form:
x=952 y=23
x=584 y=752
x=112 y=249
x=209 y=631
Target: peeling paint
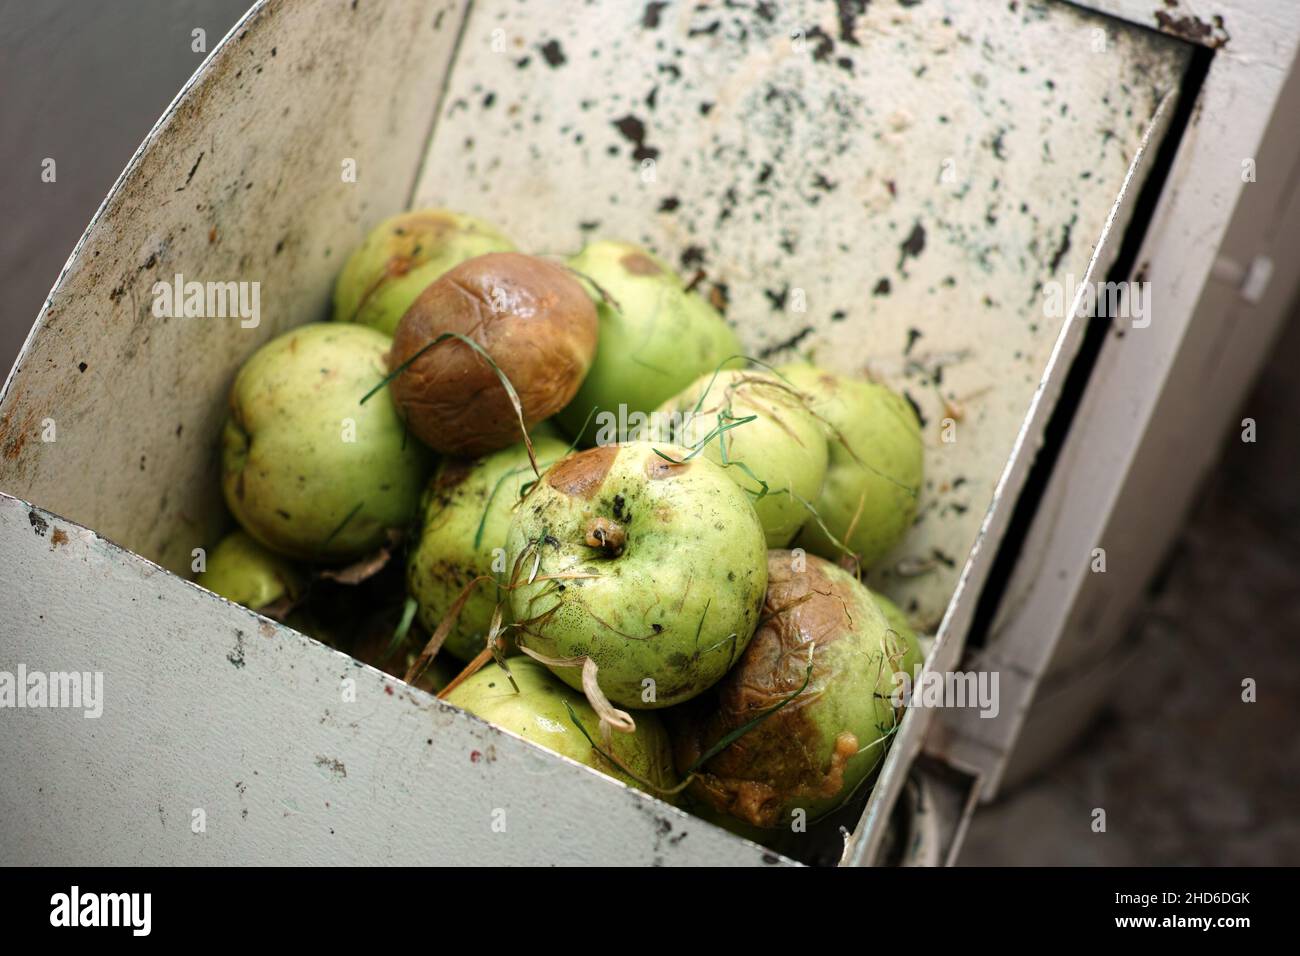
x=333 y=765
x=1192 y=28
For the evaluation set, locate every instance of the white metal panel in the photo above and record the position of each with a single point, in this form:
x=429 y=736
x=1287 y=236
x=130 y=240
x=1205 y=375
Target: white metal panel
x=888 y=191
x=210 y=707
x=949 y=649
x=1160 y=398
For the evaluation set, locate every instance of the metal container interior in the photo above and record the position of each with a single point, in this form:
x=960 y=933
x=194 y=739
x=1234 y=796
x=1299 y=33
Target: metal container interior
x=887 y=191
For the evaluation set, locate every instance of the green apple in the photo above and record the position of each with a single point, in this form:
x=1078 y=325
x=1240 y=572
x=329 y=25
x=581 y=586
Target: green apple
x=308 y=470
x=537 y=712
x=241 y=570
x=401 y=257
x=895 y=617
x=657 y=341
x=466 y=514
x=654 y=570
x=782 y=447
x=874 y=476
x=897 y=620
x=835 y=720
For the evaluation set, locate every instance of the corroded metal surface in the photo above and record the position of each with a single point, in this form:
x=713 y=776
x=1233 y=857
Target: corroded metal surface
x=887 y=192
x=282 y=750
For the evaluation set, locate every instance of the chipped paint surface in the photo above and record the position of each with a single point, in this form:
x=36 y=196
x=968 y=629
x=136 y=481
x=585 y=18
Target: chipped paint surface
x=188 y=697
x=1203 y=22
x=888 y=194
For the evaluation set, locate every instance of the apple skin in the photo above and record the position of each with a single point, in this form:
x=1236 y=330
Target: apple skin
x=241 y=570
x=895 y=617
x=680 y=601
x=537 y=713
x=460 y=495
x=660 y=339
x=401 y=257
x=288 y=476
x=785 y=446
x=815 y=751
x=875 y=467
x=531 y=316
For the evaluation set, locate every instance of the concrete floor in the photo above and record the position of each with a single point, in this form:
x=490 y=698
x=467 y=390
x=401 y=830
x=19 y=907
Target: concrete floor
x=1187 y=772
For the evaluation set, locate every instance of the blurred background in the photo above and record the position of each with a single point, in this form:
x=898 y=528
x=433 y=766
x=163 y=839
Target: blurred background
x=1182 y=779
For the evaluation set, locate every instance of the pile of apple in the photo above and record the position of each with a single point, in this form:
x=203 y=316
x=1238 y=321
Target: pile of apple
x=623 y=540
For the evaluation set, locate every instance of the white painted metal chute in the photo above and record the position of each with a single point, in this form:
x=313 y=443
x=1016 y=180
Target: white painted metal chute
x=890 y=193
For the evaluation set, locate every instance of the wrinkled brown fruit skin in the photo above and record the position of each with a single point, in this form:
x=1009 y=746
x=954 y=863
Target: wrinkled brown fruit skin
x=543 y=338
x=784 y=759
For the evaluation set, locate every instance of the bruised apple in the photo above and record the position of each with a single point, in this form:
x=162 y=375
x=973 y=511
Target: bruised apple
x=654 y=570
x=874 y=476
x=537 y=712
x=531 y=322
x=655 y=339
x=401 y=257
x=834 y=722
x=306 y=469
x=466 y=513
x=778 y=456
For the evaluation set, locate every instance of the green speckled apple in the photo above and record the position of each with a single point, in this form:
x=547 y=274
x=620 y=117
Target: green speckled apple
x=401 y=257
x=242 y=570
x=537 y=713
x=467 y=509
x=815 y=751
x=783 y=446
x=654 y=570
x=659 y=340
x=874 y=476
x=307 y=470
